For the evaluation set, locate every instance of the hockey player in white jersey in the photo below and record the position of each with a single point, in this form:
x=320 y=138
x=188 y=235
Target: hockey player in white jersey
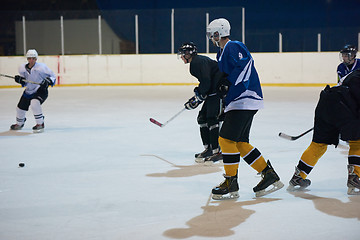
x=36 y=78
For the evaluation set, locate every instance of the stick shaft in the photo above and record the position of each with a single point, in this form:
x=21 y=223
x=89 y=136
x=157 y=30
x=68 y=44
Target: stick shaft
x=173 y=117
x=292 y=138
x=8 y=76
x=4 y=75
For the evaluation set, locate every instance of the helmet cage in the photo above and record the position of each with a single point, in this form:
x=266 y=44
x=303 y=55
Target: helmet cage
x=187 y=49
x=347 y=54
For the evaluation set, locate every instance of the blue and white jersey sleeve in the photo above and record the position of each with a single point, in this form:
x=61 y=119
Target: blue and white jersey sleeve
x=245 y=91
x=343 y=70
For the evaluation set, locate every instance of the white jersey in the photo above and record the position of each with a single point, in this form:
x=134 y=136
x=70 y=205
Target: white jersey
x=36 y=74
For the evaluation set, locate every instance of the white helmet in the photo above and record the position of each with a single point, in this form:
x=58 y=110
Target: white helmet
x=218 y=28
x=31 y=53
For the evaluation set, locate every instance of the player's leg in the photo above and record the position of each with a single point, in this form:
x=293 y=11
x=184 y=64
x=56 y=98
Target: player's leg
x=35 y=104
x=307 y=162
x=21 y=109
x=325 y=133
x=204 y=134
x=353 y=183
x=212 y=113
x=229 y=187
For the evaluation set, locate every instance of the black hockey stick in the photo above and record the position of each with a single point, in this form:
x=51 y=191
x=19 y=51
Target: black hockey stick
x=163 y=124
x=292 y=138
x=4 y=75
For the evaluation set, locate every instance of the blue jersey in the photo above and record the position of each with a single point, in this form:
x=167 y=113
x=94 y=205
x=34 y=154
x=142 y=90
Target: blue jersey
x=245 y=91
x=343 y=70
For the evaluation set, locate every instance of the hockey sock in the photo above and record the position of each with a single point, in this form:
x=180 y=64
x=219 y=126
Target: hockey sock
x=214 y=136
x=20 y=116
x=252 y=156
x=231 y=156
x=310 y=157
x=204 y=133
x=37 y=111
x=354 y=156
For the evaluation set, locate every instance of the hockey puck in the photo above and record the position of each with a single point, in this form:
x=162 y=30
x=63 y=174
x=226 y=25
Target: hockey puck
x=21 y=164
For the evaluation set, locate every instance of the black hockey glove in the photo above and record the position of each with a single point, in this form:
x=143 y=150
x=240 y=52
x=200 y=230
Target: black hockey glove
x=46 y=82
x=20 y=80
x=223 y=87
x=192 y=103
x=198 y=95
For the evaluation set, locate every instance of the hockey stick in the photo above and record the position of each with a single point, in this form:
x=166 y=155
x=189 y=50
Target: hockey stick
x=4 y=75
x=163 y=124
x=292 y=138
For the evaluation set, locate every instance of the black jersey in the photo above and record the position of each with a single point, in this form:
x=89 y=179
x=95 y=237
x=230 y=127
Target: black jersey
x=352 y=81
x=207 y=72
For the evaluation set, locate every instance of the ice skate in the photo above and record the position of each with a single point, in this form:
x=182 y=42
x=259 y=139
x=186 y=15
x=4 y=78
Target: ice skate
x=353 y=182
x=200 y=157
x=269 y=177
x=216 y=157
x=228 y=189
x=38 y=128
x=297 y=183
x=16 y=126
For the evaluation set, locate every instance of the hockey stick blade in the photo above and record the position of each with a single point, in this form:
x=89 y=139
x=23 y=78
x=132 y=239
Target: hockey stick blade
x=292 y=138
x=156 y=122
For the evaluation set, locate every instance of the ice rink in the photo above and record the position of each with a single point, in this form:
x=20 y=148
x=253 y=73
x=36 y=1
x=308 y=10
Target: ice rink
x=102 y=171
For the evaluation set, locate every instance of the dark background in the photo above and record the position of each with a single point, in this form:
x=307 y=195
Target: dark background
x=298 y=21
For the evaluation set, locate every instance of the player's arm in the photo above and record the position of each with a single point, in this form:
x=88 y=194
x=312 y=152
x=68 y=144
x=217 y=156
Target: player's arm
x=50 y=78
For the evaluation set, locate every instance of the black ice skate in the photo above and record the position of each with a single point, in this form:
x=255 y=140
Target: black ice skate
x=269 y=177
x=200 y=157
x=16 y=126
x=297 y=183
x=216 y=157
x=38 y=128
x=353 y=182
x=228 y=189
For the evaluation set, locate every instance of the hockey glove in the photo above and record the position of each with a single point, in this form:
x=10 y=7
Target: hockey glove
x=20 y=80
x=198 y=95
x=192 y=103
x=223 y=87
x=46 y=82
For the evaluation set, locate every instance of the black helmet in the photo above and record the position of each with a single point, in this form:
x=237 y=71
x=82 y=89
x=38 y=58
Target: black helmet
x=349 y=49
x=348 y=54
x=188 y=48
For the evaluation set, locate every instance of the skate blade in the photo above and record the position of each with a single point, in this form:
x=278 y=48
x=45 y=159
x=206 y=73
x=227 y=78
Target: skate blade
x=352 y=191
x=276 y=186
x=199 y=160
x=292 y=188
x=38 y=131
x=210 y=163
x=232 y=195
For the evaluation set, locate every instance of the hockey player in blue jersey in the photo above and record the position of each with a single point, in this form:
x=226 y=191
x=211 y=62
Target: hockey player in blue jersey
x=243 y=98
x=36 y=78
x=349 y=62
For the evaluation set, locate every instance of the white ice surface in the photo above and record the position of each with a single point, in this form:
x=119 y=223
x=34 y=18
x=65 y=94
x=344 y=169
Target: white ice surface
x=101 y=170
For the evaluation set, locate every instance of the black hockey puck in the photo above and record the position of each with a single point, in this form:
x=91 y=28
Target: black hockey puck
x=21 y=164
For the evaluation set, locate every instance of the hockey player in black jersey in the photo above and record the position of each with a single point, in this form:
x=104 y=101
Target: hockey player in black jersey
x=207 y=72
x=337 y=114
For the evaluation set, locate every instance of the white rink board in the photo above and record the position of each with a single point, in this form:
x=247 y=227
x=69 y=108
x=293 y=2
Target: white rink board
x=273 y=68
